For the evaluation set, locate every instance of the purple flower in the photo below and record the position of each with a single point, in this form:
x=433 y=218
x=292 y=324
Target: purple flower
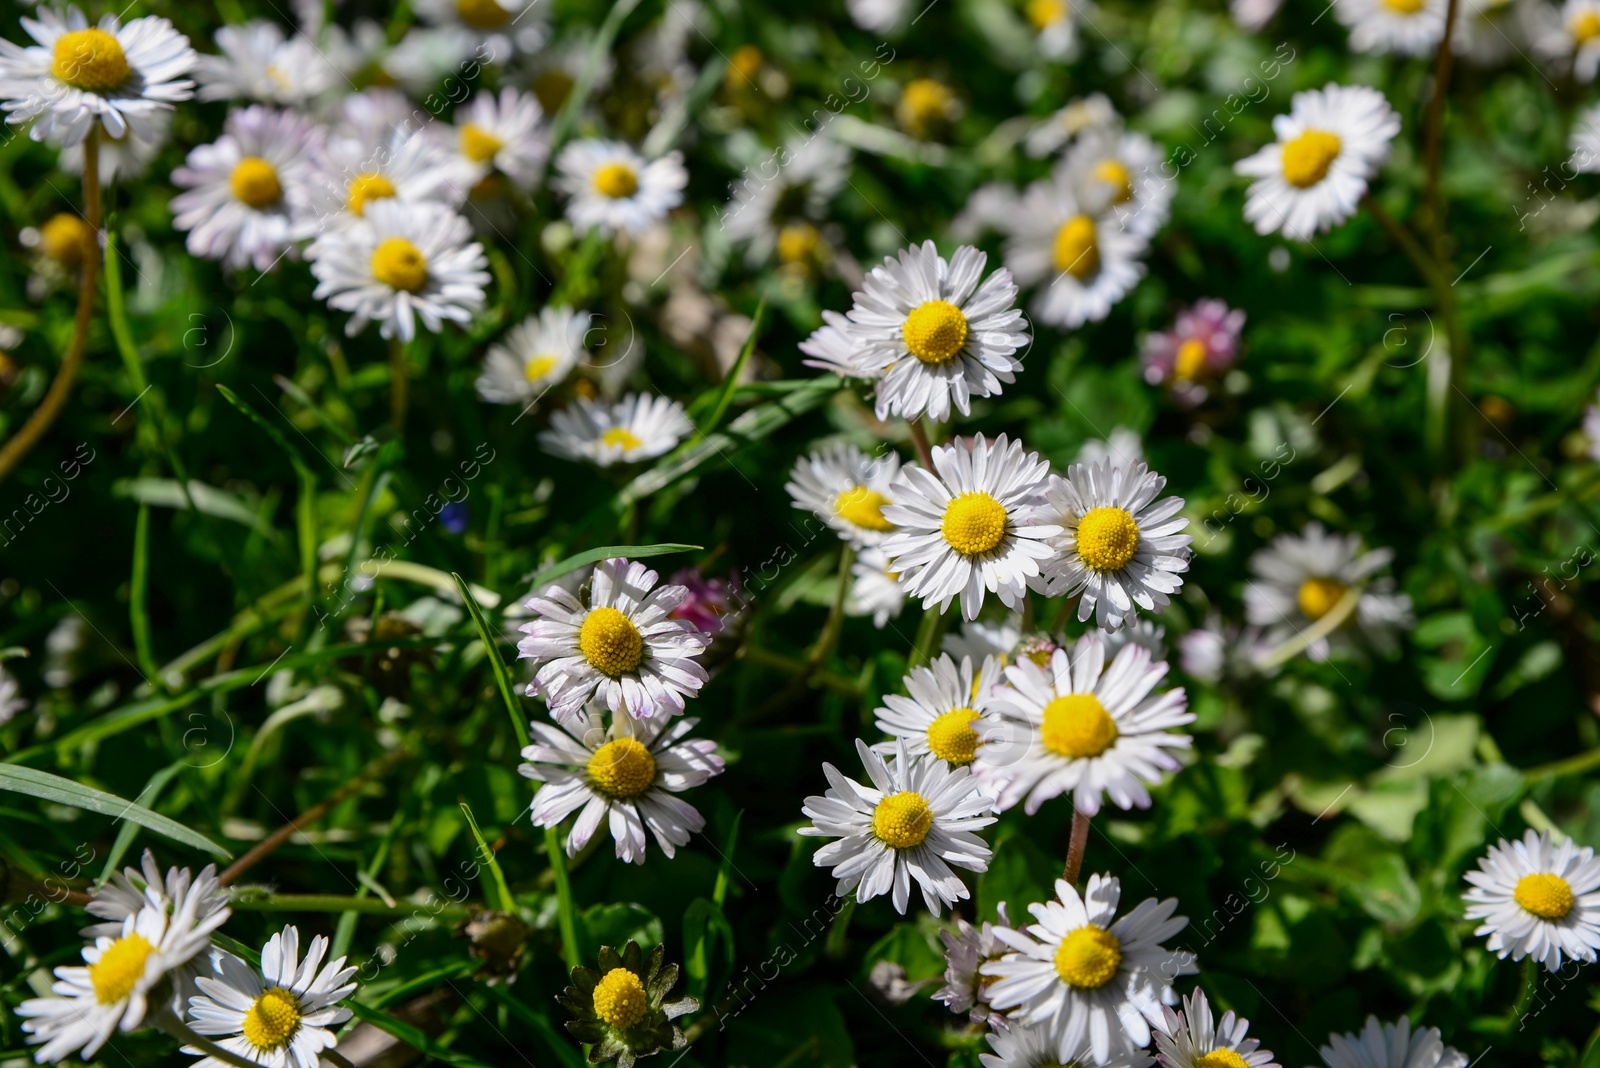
x=712 y=604
x=1203 y=343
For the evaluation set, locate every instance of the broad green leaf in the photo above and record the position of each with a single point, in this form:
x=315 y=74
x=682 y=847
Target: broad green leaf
x=47 y=787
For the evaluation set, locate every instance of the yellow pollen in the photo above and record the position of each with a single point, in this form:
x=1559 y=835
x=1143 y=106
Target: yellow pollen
x=1306 y=159
x=91 y=60
x=1317 y=596
x=862 y=507
x=1190 y=363
x=622 y=768
x=1222 y=1058
x=1585 y=26
x=1114 y=174
x=924 y=103
x=935 y=331
x=1107 y=538
x=482 y=14
x=65 y=238
x=1076 y=250
x=365 y=187
x=399 y=264
x=1089 y=957
x=1404 y=7
x=902 y=820
x=1545 y=895
x=622 y=438
x=619 y=999
x=1078 y=726
x=254 y=181
x=1045 y=13
x=610 y=641
x=973 y=523
x=273 y=1019
x=951 y=737
x=120 y=968
x=478 y=144
x=743 y=66
x=539 y=366
x=615 y=180
x=797 y=242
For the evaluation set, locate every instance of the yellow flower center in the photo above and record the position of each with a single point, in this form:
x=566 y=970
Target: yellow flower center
x=254 y=181
x=743 y=66
x=1306 y=159
x=1317 y=596
x=1045 y=13
x=615 y=180
x=482 y=14
x=902 y=820
x=478 y=144
x=1113 y=173
x=91 y=60
x=1404 y=7
x=1222 y=1058
x=120 y=968
x=1190 y=363
x=797 y=242
x=1545 y=895
x=935 y=331
x=923 y=104
x=365 y=187
x=1585 y=26
x=1076 y=251
x=610 y=642
x=65 y=238
x=1078 y=726
x=862 y=507
x=552 y=86
x=619 y=999
x=951 y=737
x=399 y=264
x=622 y=768
x=622 y=438
x=973 y=523
x=273 y=1019
x=537 y=367
x=1089 y=957
x=1107 y=538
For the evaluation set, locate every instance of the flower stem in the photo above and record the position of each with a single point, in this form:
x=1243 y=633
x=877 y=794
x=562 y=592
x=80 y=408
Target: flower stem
x=181 y=1031
x=919 y=438
x=399 y=384
x=1076 y=846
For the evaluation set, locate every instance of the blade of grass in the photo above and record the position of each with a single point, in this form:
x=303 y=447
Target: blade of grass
x=502 y=892
x=562 y=1048
x=568 y=918
x=47 y=787
x=138 y=598
x=127 y=832
x=605 y=552
x=502 y=677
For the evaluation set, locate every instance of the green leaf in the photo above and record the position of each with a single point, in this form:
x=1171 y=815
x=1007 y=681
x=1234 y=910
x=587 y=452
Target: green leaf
x=703 y=925
x=502 y=677
x=616 y=923
x=501 y=897
x=546 y=575
x=47 y=787
x=730 y=382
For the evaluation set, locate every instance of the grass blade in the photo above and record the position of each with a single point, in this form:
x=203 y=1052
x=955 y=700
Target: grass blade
x=47 y=787
x=590 y=556
x=502 y=676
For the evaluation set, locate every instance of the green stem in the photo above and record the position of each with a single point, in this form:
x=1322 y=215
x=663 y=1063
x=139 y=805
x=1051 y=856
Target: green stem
x=566 y=915
x=251 y=901
x=929 y=632
x=1573 y=765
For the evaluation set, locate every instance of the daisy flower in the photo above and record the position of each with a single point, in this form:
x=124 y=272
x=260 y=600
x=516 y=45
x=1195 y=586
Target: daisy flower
x=832 y=348
x=494 y=30
x=611 y=187
x=1538 y=898
x=1329 y=146
x=1202 y=345
x=620 y=647
x=1052 y=22
x=874 y=590
x=638 y=427
x=401 y=263
x=1298 y=579
x=1038 y=1047
x=1122 y=447
x=624 y=777
x=781 y=213
x=1405 y=27
x=1192 y=1039
x=11 y=699
x=975 y=526
x=281 y=1018
x=1586 y=142
x=126 y=156
x=259 y=63
x=979 y=640
x=946 y=714
x=1114 y=175
x=965 y=950
x=1081 y=116
x=1141 y=632
x=1098 y=981
x=847 y=489
x=913 y=822
x=1391 y=1045
x=247 y=192
x=879 y=16
x=622 y=1010
x=504 y=134
x=1572 y=35
x=534 y=356
x=926 y=108
x=353 y=172
x=1216 y=650
x=78 y=75
x=1081 y=265
x=1075 y=725
x=934 y=334
x=1120 y=545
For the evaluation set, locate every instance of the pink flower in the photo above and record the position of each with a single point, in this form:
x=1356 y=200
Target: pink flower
x=1202 y=344
x=712 y=604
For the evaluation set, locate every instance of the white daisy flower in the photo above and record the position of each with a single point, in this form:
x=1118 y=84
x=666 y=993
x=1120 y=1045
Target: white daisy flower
x=1098 y=981
x=1329 y=146
x=913 y=822
x=1252 y=15
x=1080 y=116
x=402 y=262
x=1052 y=21
x=354 y=172
x=1141 y=632
x=534 y=356
x=1081 y=265
x=1572 y=35
x=947 y=713
x=1120 y=545
x=1115 y=175
x=281 y=1018
x=126 y=156
x=494 y=30
x=620 y=647
x=426 y=55
x=1216 y=650
x=1298 y=579
x=248 y=192
x=934 y=334
x=1081 y=727
x=781 y=213
x=874 y=590
x=1538 y=898
x=11 y=699
x=78 y=75
x=847 y=489
x=637 y=427
x=373 y=116
x=625 y=777
x=879 y=16
x=1391 y=1045
x=120 y=975
x=966 y=949
x=1039 y=1047
x=611 y=187
x=1123 y=447
x=259 y=63
x=504 y=134
x=1586 y=141
x=1193 y=1039
x=832 y=348
x=974 y=527
x=978 y=640
x=1405 y=27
